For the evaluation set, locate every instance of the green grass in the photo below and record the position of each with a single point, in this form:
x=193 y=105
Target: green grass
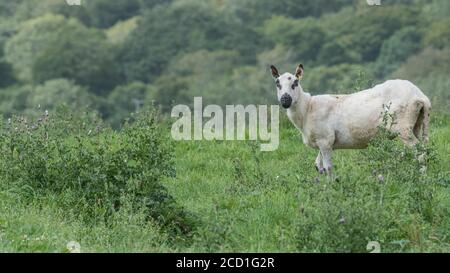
x=251 y=201
x=42 y=227
x=263 y=215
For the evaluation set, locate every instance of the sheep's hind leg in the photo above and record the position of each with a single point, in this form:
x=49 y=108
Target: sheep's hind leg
x=319 y=164
x=326 y=158
x=410 y=124
x=408 y=137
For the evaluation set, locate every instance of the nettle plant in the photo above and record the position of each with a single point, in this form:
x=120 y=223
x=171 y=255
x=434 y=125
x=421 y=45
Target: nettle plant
x=387 y=198
x=91 y=168
x=414 y=167
x=392 y=158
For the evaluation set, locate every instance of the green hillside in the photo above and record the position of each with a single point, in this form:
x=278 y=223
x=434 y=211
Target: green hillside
x=86 y=154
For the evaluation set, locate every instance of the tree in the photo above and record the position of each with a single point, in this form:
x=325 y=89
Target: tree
x=6 y=75
x=168 y=91
x=336 y=52
x=55 y=92
x=34 y=100
x=340 y=78
x=201 y=73
x=257 y=11
x=249 y=85
x=283 y=57
x=397 y=49
x=32 y=38
x=105 y=13
x=429 y=70
x=8 y=7
x=13 y=99
x=436 y=10
x=438 y=34
x=82 y=55
x=149 y=4
x=371 y=28
x=428 y=62
x=303 y=36
x=363 y=30
x=23 y=10
x=167 y=31
x=126 y=99
x=81 y=12
x=118 y=33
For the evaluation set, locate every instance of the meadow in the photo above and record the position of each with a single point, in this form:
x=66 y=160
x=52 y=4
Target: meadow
x=113 y=181
x=216 y=196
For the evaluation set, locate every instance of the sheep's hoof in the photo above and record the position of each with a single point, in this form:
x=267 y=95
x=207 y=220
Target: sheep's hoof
x=319 y=170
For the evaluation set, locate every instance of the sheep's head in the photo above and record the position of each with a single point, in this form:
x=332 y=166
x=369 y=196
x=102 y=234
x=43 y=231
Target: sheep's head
x=288 y=86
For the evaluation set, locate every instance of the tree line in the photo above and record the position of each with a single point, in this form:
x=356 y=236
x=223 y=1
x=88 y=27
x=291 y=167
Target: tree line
x=116 y=57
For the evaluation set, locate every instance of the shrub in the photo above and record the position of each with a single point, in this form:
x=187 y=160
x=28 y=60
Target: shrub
x=91 y=168
x=391 y=160
x=393 y=199
x=341 y=217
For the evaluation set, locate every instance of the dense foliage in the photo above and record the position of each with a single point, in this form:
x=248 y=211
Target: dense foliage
x=91 y=169
x=217 y=49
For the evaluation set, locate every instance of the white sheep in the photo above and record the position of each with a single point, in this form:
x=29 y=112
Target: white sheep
x=329 y=122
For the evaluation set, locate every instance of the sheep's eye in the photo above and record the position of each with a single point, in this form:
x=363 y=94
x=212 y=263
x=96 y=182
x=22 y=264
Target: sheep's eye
x=278 y=84
x=295 y=84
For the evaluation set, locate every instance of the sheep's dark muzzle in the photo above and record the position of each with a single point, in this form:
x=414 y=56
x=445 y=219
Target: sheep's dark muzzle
x=286 y=101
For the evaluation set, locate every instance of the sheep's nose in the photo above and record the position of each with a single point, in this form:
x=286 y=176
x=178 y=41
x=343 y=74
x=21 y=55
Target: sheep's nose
x=286 y=101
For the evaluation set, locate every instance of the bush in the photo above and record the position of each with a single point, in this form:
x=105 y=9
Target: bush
x=393 y=200
x=341 y=217
x=92 y=169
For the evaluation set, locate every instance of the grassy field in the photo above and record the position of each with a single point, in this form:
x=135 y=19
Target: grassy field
x=245 y=200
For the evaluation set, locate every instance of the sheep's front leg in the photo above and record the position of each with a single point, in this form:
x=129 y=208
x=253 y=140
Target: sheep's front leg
x=319 y=164
x=326 y=158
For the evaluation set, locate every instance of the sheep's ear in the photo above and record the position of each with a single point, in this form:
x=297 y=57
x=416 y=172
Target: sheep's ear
x=274 y=70
x=299 y=71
